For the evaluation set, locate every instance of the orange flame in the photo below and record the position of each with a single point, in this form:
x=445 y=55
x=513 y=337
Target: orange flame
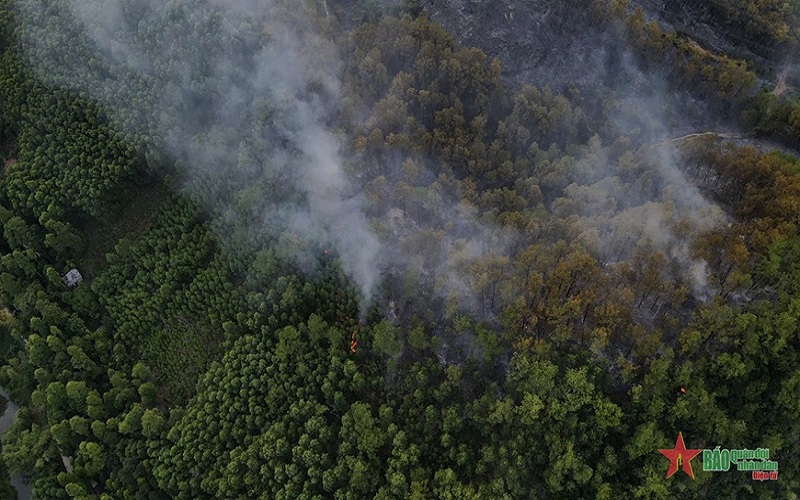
x=353 y=342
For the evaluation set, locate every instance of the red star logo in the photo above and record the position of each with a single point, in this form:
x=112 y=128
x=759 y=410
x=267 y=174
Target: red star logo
x=680 y=455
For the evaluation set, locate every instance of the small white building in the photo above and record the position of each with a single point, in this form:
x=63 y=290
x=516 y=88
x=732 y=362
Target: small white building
x=72 y=278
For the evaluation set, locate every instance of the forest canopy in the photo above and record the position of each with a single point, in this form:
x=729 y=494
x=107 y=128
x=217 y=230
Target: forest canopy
x=327 y=250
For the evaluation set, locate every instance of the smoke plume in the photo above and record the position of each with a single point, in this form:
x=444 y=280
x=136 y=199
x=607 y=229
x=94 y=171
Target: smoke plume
x=240 y=93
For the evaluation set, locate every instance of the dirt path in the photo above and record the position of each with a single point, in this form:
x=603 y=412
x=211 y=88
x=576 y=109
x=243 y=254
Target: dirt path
x=694 y=135
x=741 y=139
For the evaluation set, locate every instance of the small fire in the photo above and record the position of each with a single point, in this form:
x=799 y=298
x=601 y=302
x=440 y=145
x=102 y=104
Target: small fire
x=353 y=342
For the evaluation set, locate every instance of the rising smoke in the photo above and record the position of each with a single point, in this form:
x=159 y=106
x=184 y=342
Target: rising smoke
x=240 y=93
x=243 y=94
x=645 y=199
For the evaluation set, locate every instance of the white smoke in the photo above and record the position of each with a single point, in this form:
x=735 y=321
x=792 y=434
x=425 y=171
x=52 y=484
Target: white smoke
x=236 y=91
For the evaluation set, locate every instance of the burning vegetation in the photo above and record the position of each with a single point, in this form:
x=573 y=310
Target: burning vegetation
x=396 y=267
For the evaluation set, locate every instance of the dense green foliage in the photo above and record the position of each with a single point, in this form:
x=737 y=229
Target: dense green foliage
x=200 y=359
